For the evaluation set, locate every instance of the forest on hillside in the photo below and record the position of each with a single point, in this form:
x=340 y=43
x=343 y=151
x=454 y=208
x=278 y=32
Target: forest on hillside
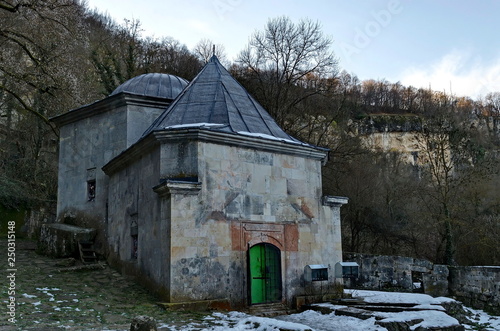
x=57 y=55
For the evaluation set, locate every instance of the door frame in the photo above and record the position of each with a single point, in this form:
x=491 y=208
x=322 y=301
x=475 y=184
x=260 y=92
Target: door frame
x=268 y=247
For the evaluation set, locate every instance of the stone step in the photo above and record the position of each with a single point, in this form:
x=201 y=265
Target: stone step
x=87 y=252
x=396 y=308
x=269 y=310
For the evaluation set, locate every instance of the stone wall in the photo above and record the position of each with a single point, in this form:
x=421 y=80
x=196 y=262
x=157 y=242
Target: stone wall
x=91 y=136
x=199 y=207
x=398 y=272
x=478 y=287
x=61 y=240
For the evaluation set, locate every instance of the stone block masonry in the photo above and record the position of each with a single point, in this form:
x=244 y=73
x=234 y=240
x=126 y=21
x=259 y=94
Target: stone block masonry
x=61 y=240
x=404 y=273
x=477 y=286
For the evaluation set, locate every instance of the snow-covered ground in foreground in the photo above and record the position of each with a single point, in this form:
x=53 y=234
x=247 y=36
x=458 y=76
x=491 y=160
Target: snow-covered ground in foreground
x=312 y=320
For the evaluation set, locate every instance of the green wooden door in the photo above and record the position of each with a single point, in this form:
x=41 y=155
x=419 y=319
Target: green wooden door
x=265 y=274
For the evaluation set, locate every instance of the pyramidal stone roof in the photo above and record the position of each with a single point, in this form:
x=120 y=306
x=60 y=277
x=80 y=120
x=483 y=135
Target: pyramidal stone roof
x=214 y=100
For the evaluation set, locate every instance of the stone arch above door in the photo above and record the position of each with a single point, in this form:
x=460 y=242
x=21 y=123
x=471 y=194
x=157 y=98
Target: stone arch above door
x=247 y=234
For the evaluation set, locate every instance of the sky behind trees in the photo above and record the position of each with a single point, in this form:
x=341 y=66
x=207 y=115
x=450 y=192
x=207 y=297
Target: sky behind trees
x=449 y=45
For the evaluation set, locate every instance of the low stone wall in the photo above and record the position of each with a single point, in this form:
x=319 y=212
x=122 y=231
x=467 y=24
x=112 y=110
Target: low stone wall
x=61 y=240
x=478 y=287
x=398 y=272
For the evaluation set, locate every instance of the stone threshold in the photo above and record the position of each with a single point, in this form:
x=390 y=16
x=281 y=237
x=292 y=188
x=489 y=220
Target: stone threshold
x=201 y=305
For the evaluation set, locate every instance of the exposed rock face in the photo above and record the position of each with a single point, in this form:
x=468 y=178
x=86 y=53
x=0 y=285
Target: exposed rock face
x=61 y=240
x=388 y=123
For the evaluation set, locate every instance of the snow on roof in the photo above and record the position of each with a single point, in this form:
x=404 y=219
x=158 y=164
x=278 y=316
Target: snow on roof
x=195 y=125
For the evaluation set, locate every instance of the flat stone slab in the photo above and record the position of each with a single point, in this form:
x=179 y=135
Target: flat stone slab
x=61 y=240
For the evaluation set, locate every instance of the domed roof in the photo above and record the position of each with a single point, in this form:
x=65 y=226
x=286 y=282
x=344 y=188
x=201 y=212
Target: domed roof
x=153 y=85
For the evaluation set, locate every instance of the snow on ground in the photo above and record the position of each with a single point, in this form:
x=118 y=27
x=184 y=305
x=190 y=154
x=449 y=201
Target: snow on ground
x=397 y=297
x=312 y=320
x=237 y=321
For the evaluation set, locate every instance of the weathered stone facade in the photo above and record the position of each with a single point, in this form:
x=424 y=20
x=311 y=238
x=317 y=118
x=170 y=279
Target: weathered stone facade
x=89 y=138
x=183 y=200
x=221 y=199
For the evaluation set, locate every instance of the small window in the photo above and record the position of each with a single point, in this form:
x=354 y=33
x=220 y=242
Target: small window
x=135 y=246
x=134 y=234
x=91 y=190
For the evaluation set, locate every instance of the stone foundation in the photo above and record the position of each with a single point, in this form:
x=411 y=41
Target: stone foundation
x=61 y=240
x=478 y=287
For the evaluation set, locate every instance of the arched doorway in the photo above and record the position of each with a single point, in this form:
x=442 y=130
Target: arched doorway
x=265 y=273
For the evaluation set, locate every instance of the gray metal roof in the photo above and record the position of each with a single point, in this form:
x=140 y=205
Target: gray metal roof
x=153 y=85
x=215 y=100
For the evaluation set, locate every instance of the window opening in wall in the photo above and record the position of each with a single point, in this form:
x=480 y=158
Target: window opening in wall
x=91 y=184
x=417 y=281
x=91 y=190
x=135 y=245
x=134 y=234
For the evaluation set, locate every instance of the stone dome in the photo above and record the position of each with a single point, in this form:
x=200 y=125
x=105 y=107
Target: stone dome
x=153 y=85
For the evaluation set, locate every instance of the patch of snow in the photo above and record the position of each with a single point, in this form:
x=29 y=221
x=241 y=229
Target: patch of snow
x=196 y=125
x=396 y=297
x=329 y=305
x=489 y=323
x=36 y=303
x=430 y=318
x=240 y=321
x=320 y=322
x=75 y=300
x=29 y=296
x=266 y=136
x=430 y=307
x=43 y=289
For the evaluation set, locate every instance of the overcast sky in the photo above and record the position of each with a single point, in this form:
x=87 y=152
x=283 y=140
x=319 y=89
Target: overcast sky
x=449 y=45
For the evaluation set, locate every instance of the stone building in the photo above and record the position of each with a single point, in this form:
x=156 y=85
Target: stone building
x=197 y=190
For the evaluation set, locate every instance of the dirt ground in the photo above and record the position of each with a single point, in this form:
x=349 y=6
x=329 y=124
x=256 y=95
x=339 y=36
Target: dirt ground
x=48 y=297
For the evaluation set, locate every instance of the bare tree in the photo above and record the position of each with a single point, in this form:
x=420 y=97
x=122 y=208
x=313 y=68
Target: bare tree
x=42 y=59
x=286 y=64
x=205 y=48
